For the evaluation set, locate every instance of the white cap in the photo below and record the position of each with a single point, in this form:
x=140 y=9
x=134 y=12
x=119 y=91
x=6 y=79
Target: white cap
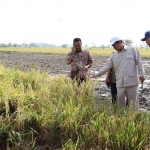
x=114 y=39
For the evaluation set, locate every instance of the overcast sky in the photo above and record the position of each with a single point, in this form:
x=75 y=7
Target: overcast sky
x=60 y=21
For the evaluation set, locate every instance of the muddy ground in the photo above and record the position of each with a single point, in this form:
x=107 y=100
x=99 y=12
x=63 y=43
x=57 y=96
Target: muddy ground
x=55 y=64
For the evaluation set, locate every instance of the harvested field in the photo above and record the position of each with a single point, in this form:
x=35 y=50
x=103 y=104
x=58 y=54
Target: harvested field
x=55 y=64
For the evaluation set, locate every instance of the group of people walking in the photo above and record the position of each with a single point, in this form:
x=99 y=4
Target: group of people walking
x=123 y=67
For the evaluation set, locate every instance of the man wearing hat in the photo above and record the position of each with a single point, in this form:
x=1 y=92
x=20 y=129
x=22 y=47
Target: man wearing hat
x=147 y=38
x=127 y=64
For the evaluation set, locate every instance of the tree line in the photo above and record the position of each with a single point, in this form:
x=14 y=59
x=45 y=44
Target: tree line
x=27 y=45
x=32 y=44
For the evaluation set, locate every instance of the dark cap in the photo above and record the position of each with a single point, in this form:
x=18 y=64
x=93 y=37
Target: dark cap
x=147 y=34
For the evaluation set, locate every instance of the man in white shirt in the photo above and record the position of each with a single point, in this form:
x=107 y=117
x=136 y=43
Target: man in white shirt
x=147 y=38
x=127 y=64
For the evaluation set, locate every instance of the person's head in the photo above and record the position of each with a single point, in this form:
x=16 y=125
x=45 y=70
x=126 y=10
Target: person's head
x=117 y=43
x=77 y=43
x=147 y=38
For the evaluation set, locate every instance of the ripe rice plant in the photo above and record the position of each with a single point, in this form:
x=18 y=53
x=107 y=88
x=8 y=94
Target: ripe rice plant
x=40 y=111
x=58 y=50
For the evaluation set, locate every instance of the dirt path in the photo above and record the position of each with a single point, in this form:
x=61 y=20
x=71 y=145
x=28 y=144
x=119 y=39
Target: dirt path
x=55 y=64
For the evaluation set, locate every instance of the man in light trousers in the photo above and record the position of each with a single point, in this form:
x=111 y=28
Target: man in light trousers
x=128 y=64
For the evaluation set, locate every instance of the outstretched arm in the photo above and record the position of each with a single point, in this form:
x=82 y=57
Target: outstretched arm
x=106 y=68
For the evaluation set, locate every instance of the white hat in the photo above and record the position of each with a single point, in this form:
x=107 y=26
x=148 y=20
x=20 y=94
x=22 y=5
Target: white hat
x=114 y=39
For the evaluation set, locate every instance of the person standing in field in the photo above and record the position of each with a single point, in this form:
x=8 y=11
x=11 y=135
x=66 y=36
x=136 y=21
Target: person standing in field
x=127 y=64
x=111 y=82
x=147 y=38
x=80 y=60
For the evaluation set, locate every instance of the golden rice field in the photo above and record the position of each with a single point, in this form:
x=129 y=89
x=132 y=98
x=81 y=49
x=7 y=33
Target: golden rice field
x=94 y=51
x=42 y=112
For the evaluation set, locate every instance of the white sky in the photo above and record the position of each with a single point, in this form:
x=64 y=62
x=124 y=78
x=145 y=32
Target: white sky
x=60 y=21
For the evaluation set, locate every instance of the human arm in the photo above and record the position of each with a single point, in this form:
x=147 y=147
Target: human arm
x=106 y=68
x=139 y=64
x=70 y=56
x=89 y=62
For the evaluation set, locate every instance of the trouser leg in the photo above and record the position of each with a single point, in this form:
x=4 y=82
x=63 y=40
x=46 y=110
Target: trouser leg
x=132 y=93
x=121 y=97
x=132 y=97
x=80 y=80
x=113 y=92
x=127 y=101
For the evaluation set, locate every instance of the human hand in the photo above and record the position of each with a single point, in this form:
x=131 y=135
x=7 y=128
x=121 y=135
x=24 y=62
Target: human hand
x=73 y=49
x=92 y=75
x=142 y=79
x=85 y=68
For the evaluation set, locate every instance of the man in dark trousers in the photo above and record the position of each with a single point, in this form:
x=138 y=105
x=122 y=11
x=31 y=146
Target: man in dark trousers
x=111 y=82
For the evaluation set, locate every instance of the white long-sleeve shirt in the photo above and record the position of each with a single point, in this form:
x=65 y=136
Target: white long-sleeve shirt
x=127 y=64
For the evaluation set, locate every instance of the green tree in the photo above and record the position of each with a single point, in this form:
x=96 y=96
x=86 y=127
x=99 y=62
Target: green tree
x=103 y=46
x=64 y=45
x=15 y=45
x=3 y=45
x=32 y=44
x=9 y=45
x=128 y=42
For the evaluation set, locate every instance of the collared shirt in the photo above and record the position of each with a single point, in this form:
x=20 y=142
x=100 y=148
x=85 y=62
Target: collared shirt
x=78 y=61
x=127 y=64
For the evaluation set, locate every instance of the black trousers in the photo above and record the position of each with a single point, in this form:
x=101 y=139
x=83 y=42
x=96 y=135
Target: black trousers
x=80 y=80
x=114 y=93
